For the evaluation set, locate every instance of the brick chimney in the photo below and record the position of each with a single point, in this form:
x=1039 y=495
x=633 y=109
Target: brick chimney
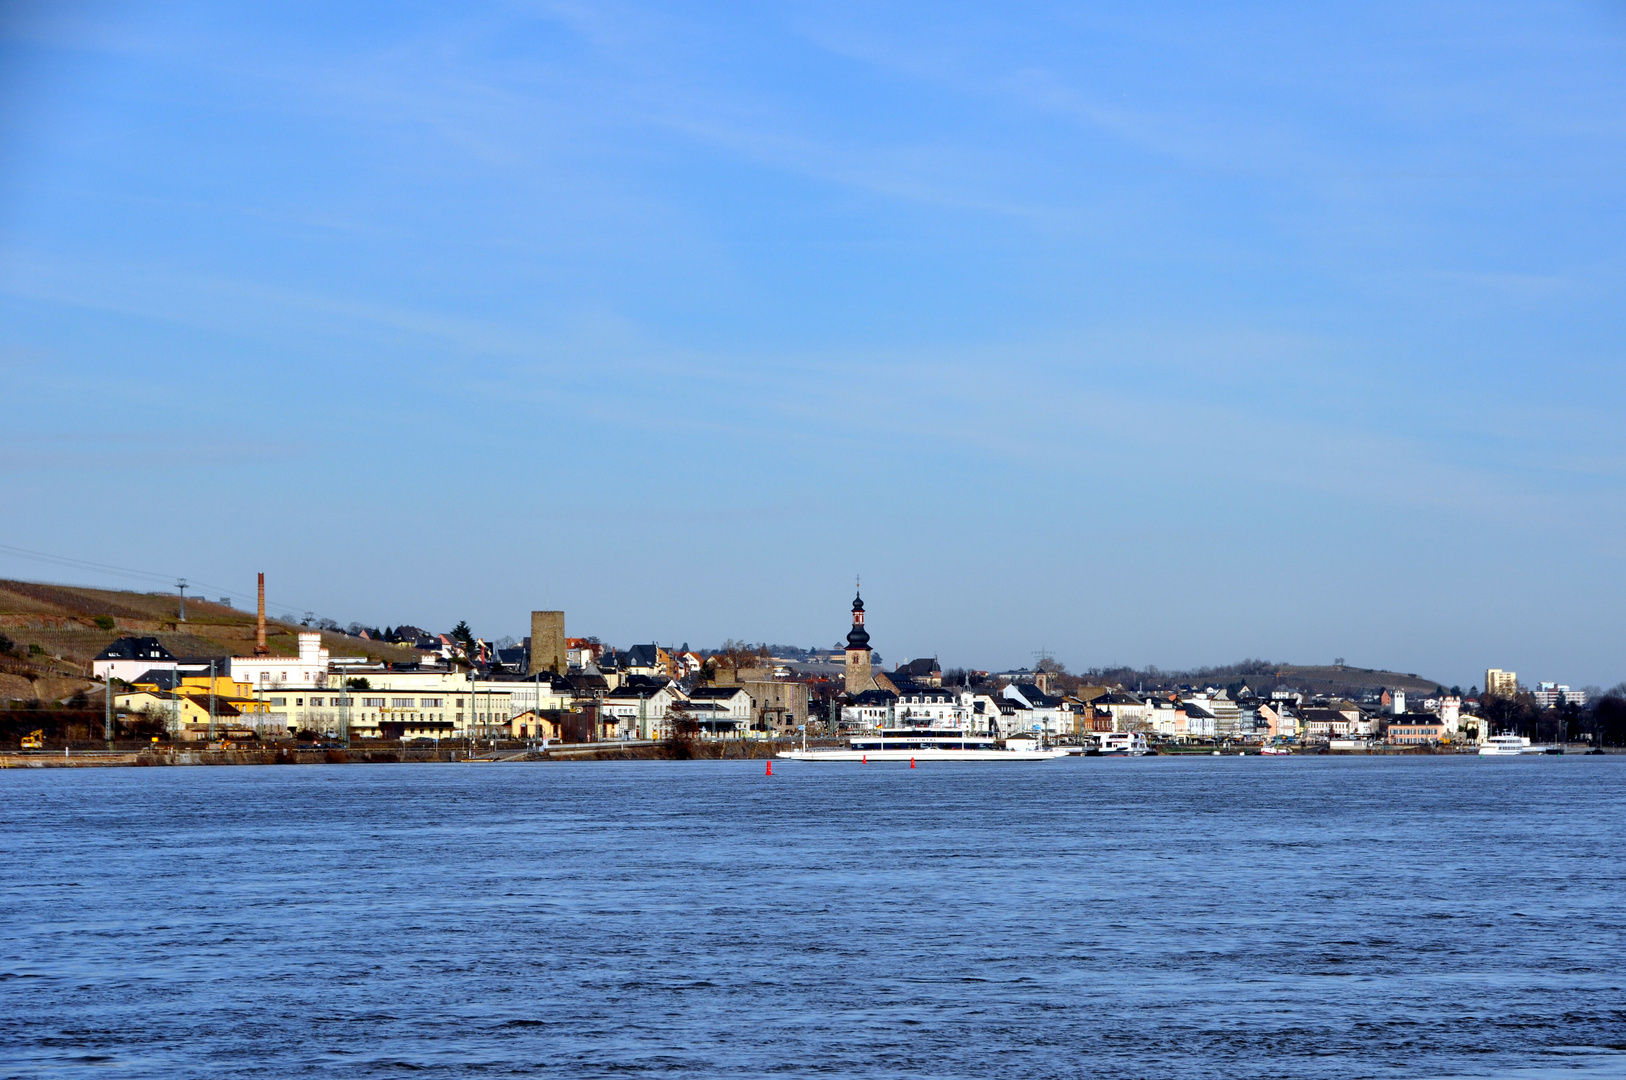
x=259 y=626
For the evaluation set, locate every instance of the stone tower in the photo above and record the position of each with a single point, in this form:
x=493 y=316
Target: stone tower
x=547 y=642
x=858 y=673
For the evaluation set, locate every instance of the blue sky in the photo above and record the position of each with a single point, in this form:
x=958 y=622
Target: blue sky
x=1141 y=334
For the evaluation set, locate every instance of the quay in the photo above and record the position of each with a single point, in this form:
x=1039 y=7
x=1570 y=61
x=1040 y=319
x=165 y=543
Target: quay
x=181 y=755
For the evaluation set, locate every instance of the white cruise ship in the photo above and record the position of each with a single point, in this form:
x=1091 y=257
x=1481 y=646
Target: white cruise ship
x=929 y=744
x=1514 y=746
x=1504 y=746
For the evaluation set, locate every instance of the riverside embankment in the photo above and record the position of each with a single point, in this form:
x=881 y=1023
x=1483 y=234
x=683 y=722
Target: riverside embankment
x=384 y=754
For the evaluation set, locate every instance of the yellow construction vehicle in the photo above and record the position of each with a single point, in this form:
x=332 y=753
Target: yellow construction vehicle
x=34 y=740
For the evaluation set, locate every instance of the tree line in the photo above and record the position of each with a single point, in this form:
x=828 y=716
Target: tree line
x=1601 y=721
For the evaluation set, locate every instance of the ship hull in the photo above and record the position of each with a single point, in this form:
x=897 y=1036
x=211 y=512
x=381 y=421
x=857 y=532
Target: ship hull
x=924 y=754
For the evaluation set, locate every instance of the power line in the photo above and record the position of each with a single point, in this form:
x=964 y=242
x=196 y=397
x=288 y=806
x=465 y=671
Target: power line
x=82 y=564
x=291 y=613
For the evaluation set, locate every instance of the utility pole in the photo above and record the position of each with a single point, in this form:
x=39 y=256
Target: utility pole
x=107 y=719
x=344 y=708
x=211 y=701
x=180 y=583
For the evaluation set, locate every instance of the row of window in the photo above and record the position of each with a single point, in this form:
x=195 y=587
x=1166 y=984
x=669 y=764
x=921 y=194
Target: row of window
x=366 y=702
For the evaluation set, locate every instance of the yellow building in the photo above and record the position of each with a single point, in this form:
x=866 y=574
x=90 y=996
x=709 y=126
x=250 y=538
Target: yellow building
x=187 y=715
x=239 y=694
x=1499 y=683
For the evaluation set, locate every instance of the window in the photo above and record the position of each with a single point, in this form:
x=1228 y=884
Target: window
x=430 y=702
x=401 y=703
x=279 y=701
x=300 y=701
x=372 y=703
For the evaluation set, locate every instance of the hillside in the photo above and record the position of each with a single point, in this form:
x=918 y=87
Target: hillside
x=1331 y=679
x=1265 y=675
x=55 y=634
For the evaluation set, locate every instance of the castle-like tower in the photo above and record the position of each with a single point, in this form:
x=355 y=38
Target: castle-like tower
x=859 y=678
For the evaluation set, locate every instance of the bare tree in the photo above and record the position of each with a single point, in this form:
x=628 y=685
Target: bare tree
x=682 y=732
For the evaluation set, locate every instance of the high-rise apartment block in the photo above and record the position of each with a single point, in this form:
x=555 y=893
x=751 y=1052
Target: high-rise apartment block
x=1499 y=683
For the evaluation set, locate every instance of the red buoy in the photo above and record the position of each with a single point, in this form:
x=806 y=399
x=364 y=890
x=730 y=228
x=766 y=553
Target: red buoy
x=911 y=763
x=864 y=760
x=770 y=767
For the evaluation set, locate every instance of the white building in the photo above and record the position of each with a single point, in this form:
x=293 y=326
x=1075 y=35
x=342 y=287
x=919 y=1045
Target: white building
x=307 y=670
x=869 y=710
x=639 y=711
x=1551 y=695
x=1164 y=718
x=128 y=658
x=932 y=707
x=1449 y=711
x=1129 y=713
x=388 y=700
x=1040 y=711
x=1217 y=704
x=1195 y=722
x=723 y=710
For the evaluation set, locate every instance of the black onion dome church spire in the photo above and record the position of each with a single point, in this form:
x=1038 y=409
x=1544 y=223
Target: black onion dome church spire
x=858 y=637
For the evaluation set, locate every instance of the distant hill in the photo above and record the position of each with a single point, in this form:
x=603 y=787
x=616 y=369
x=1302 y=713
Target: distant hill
x=55 y=634
x=1265 y=675
x=1335 y=679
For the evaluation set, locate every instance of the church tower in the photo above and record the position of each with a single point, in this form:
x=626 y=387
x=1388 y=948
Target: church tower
x=858 y=673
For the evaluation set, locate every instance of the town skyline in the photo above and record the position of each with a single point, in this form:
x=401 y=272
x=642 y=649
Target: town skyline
x=497 y=633
x=1287 y=336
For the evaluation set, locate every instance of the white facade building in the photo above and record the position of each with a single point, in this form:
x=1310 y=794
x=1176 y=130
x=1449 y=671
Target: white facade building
x=419 y=698
x=1040 y=711
x=932 y=707
x=307 y=670
x=129 y=658
x=1161 y=716
x=639 y=712
x=1449 y=711
x=1198 y=722
x=1551 y=695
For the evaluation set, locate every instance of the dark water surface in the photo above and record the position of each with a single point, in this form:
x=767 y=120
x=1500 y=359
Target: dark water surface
x=1160 y=917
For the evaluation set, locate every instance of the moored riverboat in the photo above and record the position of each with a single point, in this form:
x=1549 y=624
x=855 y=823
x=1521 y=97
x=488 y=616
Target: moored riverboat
x=1510 y=745
x=1124 y=744
x=930 y=744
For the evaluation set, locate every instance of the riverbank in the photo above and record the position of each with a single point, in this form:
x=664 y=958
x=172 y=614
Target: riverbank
x=385 y=754
x=92 y=756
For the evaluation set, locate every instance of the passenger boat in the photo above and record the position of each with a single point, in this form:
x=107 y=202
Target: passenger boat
x=1124 y=744
x=1504 y=746
x=929 y=744
x=1272 y=750
x=1514 y=746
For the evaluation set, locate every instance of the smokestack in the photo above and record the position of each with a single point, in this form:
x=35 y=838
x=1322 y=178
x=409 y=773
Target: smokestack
x=259 y=627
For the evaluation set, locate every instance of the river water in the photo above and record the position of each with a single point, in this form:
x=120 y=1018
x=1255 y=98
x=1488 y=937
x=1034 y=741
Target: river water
x=1189 y=917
